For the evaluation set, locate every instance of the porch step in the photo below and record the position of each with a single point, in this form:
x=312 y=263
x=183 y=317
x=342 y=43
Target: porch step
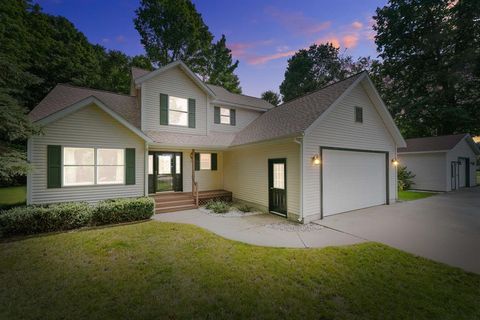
x=175 y=208
x=172 y=196
x=173 y=202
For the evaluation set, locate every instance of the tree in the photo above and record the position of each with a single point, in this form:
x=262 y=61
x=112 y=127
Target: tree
x=15 y=128
x=172 y=30
x=272 y=97
x=431 y=64
x=219 y=67
x=315 y=67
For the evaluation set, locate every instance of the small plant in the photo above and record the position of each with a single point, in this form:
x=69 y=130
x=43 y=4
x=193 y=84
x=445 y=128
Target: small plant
x=218 y=206
x=405 y=178
x=244 y=208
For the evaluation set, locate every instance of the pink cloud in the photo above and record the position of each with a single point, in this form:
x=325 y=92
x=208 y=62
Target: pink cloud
x=120 y=39
x=297 y=21
x=350 y=40
x=255 y=60
x=357 y=25
x=240 y=49
x=330 y=39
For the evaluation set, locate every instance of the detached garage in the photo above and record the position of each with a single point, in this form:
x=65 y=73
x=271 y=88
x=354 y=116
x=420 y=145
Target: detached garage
x=442 y=163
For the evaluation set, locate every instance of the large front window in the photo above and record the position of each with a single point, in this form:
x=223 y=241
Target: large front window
x=177 y=111
x=89 y=166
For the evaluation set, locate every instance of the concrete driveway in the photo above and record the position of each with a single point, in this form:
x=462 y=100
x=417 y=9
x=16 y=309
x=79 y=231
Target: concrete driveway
x=444 y=228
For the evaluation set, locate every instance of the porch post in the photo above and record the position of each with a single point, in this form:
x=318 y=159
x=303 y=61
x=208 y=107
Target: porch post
x=192 y=157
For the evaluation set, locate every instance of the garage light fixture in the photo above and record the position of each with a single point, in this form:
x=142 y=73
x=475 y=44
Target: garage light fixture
x=316 y=159
x=395 y=162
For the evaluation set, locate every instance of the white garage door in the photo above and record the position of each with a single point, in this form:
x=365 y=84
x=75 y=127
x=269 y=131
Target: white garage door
x=352 y=180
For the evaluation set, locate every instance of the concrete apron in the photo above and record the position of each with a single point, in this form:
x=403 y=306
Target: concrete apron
x=263 y=230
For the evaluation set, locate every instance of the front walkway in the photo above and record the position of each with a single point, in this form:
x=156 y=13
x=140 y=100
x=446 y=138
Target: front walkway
x=262 y=230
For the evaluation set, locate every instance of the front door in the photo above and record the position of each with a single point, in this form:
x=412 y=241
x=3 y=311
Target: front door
x=453 y=174
x=164 y=171
x=277 y=186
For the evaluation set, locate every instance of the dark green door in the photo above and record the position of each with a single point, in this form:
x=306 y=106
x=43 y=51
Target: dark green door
x=277 y=186
x=164 y=171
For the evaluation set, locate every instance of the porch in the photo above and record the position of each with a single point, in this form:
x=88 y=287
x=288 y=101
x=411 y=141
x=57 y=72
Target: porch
x=176 y=201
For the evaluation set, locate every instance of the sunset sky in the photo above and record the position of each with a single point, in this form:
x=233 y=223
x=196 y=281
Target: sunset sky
x=261 y=34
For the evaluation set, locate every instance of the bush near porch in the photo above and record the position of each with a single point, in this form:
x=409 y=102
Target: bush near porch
x=35 y=219
x=156 y=270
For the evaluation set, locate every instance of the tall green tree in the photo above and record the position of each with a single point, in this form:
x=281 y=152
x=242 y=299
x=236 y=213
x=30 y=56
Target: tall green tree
x=272 y=97
x=430 y=69
x=172 y=30
x=315 y=67
x=219 y=67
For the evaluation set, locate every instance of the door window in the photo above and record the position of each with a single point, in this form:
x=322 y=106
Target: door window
x=164 y=164
x=279 y=176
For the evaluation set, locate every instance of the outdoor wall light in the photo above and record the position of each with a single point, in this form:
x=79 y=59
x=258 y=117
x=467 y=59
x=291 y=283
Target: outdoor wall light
x=316 y=159
x=395 y=162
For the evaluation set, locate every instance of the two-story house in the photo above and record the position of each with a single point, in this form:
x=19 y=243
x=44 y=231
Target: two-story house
x=179 y=139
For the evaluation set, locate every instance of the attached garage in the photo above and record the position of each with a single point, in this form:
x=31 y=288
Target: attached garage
x=444 y=163
x=353 y=179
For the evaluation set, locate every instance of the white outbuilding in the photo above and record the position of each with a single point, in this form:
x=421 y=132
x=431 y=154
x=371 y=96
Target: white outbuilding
x=443 y=163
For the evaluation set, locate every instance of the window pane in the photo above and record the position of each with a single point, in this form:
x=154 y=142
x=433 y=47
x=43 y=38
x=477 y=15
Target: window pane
x=78 y=156
x=205 y=163
x=225 y=112
x=150 y=164
x=179 y=104
x=279 y=176
x=164 y=164
x=110 y=157
x=178 y=164
x=110 y=174
x=224 y=120
x=78 y=175
x=177 y=118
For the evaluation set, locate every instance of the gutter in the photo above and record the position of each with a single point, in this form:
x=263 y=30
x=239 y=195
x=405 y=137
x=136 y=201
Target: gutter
x=299 y=140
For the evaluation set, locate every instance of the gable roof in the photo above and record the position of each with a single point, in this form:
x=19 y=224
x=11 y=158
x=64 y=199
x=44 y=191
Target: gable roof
x=220 y=95
x=64 y=95
x=437 y=144
x=295 y=116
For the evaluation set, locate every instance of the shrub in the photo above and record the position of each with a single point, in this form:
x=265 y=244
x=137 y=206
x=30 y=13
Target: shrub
x=122 y=210
x=405 y=178
x=37 y=219
x=218 y=206
x=244 y=208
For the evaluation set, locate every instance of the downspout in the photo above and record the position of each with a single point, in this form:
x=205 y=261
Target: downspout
x=299 y=140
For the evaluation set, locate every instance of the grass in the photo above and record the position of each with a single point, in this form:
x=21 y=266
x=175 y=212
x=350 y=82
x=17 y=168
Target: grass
x=413 y=195
x=158 y=270
x=11 y=196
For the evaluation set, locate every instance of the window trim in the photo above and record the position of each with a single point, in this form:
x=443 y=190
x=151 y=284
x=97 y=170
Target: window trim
x=169 y=109
x=95 y=167
x=358 y=111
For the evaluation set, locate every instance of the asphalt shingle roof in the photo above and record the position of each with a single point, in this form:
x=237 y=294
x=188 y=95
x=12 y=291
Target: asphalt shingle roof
x=295 y=116
x=241 y=99
x=63 y=96
x=432 y=143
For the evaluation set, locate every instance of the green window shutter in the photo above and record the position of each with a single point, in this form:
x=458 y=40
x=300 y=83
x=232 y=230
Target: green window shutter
x=197 y=161
x=163 y=109
x=54 y=166
x=213 y=159
x=191 y=113
x=216 y=115
x=130 y=166
x=233 y=121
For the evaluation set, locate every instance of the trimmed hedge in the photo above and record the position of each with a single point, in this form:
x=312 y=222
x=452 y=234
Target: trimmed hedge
x=66 y=216
x=122 y=210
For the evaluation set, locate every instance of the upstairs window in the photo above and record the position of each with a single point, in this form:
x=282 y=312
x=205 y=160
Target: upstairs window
x=177 y=111
x=224 y=116
x=359 y=114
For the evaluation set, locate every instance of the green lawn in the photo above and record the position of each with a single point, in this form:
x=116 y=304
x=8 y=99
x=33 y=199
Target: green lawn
x=159 y=270
x=413 y=195
x=12 y=195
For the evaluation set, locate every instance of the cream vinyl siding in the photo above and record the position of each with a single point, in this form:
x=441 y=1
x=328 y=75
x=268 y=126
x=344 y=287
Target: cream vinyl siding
x=462 y=149
x=88 y=127
x=243 y=117
x=339 y=129
x=207 y=179
x=246 y=172
x=173 y=82
x=429 y=170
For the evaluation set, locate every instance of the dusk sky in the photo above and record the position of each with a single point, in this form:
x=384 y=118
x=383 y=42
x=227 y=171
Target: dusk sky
x=261 y=34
